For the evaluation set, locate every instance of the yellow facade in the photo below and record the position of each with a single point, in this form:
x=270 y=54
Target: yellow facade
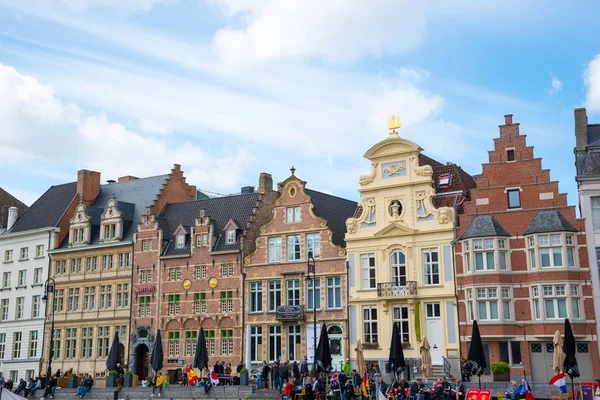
x=400 y=258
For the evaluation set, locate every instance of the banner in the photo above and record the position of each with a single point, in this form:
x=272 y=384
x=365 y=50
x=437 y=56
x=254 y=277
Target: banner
x=310 y=344
x=473 y=394
x=248 y=349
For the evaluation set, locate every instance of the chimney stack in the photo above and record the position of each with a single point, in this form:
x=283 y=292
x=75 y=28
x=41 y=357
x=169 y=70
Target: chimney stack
x=581 y=123
x=13 y=214
x=265 y=183
x=88 y=186
x=127 y=178
x=508 y=119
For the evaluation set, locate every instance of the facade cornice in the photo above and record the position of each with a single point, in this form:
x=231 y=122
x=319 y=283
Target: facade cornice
x=92 y=247
x=12 y=235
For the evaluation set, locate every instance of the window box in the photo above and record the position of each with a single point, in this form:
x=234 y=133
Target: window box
x=372 y=346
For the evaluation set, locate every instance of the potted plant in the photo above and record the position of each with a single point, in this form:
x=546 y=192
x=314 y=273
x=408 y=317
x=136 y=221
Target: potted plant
x=244 y=376
x=500 y=371
x=73 y=381
x=111 y=379
x=128 y=378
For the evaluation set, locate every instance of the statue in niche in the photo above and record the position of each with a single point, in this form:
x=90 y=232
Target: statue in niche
x=395 y=209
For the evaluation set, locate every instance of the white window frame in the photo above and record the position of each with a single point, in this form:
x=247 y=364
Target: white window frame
x=292 y=215
x=368 y=271
x=8 y=256
x=317 y=295
x=595 y=209
x=370 y=316
x=231 y=236
x=275 y=252
x=293 y=248
x=292 y=292
x=274 y=295
x=428 y=267
x=404 y=321
x=313 y=244
x=334 y=291
x=255 y=298
x=398 y=268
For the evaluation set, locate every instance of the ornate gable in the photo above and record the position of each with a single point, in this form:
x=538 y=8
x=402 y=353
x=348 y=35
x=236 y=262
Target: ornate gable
x=111 y=222
x=395 y=229
x=80 y=227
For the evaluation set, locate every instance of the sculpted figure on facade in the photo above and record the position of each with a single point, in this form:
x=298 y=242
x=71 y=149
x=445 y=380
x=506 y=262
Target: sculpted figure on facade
x=422 y=170
x=444 y=215
x=366 y=179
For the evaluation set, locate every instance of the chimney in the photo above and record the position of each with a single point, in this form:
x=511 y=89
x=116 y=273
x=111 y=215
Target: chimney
x=581 y=123
x=508 y=119
x=247 y=189
x=128 y=178
x=265 y=183
x=13 y=214
x=88 y=186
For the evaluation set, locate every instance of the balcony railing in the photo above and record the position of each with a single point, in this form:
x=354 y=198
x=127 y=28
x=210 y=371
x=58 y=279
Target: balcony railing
x=397 y=289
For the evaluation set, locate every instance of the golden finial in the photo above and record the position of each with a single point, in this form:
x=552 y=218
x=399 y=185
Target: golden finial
x=394 y=123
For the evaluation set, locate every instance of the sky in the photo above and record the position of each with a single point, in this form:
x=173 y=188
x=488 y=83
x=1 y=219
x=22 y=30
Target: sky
x=232 y=88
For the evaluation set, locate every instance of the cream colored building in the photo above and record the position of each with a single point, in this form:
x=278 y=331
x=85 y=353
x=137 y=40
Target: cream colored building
x=400 y=255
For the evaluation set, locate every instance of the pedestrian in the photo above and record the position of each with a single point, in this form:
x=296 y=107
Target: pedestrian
x=158 y=383
x=296 y=371
x=283 y=375
x=346 y=366
x=85 y=386
x=120 y=384
x=275 y=376
x=356 y=379
x=304 y=365
x=120 y=370
x=465 y=370
x=50 y=388
x=240 y=366
x=265 y=375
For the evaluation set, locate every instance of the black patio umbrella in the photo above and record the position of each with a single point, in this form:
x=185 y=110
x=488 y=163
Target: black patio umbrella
x=570 y=348
x=476 y=354
x=323 y=353
x=201 y=357
x=396 y=359
x=156 y=361
x=113 y=354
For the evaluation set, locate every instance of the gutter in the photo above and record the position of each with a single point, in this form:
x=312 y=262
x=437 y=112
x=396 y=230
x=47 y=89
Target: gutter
x=94 y=246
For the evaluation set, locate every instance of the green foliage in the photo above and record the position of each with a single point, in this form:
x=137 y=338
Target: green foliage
x=312 y=372
x=112 y=372
x=129 y=372
x=500 y=367
x=244 y=370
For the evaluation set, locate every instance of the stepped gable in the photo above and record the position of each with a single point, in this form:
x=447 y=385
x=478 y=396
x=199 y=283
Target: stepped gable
x=335 y=211
x=48 y=210
x=482 y=226
x=220 y=210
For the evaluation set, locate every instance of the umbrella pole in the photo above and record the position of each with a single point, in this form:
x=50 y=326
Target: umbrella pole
x=573 y=388
x=479 y=382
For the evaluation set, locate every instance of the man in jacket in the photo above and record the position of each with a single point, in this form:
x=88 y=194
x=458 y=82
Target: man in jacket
x=416 y=389
x=275 y=376
x=21 y=386
x=356 y=379
x=304 y=366
x=283 y=375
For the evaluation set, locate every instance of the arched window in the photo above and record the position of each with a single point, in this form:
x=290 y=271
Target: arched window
x=334 y=330
x=398 y=265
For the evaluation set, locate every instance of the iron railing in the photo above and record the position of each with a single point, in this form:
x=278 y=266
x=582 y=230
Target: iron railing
x=397 y=289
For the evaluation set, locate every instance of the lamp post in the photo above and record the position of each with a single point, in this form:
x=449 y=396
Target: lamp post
x=527 y=345
x=50 y=286
x=311 y=268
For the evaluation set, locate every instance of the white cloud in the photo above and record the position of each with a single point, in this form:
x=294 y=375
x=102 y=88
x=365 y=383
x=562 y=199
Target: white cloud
x=591 y=78
x=125 y=6
x=332 y=31
x=150 y=126
x=555 y=85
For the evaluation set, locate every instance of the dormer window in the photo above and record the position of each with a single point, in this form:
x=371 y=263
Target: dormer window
x=230 y=237
x=444 y=181
x=111 y=222
x=110 y=231
x=180 y=241
x=80 y=229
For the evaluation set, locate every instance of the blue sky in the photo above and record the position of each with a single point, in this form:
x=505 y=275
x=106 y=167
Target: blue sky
x=232 y=88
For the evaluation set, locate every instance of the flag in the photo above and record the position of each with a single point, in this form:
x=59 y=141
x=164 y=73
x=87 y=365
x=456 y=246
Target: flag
x=214 y=379
x=365 y=386
x=528 y=394
x=558 y=380
x=192 y=377
x=380 y=394
x=335 y=380
x=7 y=394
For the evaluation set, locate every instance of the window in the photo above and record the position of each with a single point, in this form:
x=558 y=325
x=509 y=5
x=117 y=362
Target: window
x=595 y=203
x=78 y=235
x=506 y=303
x=313 y=244
x=432 y=310
x=59 y=304
x=256 y=343
x=22 y=278
x=60 y=266
x=71 y=343
x=444 y=181
x=24 y=253
x=316 y=296
x=550 y=249
x=200 y=272
x=73 y=301
x=294 y=342
x=144 y=306
x=487 y=304
x=174 y=274
x=35 y=306
x=370 y=324
x=227 y=269
x=231 y=236
x=199 y=303
x=226 y=301
x=87 y=337
x=89 y=298
x=191 y=338
x=210 y=342
x=17 y=337
x=76 y=265
x=147 y=245
x=535 y=302
x=274 y=296
x=174 y=306
x=122 y=295
x=173 y=340
x=292 y=214
x=293 y=248
x=514 y=198
x=8 y=256
x=20 y=309
x=105 y=296
x=431 y=267
x=121 y=330
x=6 y=280
x=274 y=351
x=108 y=261
x=293 y=292
x=401 y=316
x=124 y=260
x=484 y=254
x=202 y=240
x=555 y=301
x=37 y=276
x=398 y=265
x=39 y=250
x=146 y=276
x=103 y=341
x=5 y=305
x=367 y=267
x=274 y=249
x=180 y=241
x=2 y=345
x=334 y=293
x=57 y=340
x=510 y=155
x=110 y=231
x=226 y=342
x=575 y=313
x=256 y=297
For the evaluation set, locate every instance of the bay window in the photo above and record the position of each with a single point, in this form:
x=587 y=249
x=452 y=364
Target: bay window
x=553 y=302
x=556 y=250
x=486 y=254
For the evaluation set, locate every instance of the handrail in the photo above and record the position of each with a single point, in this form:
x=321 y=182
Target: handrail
x=397 y=289
x=447 y=366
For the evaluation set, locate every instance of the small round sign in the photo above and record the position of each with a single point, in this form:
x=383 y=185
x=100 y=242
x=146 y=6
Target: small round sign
x=187 y=284
x=212 y=282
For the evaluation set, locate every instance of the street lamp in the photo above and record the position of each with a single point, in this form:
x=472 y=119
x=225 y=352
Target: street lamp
x=311 y=267
x=527 y=345
x=49 y=287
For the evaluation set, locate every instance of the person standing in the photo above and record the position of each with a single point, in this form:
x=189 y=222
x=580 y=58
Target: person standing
x=304 y=365
x=346 y=367
x=275 y=376
x=265 y=375
x=356 y=379
x=283 y=375
x=160 y=381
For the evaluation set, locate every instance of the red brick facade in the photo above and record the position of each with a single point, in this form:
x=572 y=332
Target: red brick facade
x=512 y=166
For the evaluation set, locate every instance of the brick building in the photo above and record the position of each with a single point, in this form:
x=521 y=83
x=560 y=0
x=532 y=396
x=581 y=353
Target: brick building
x=92 y=266
x=522 y=263
x=8 y=201
x=188 y=274
x=280 y=300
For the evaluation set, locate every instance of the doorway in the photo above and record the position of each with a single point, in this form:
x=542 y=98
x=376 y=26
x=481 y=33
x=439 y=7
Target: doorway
x=435 y=332
x=336 y=344
x=141 y=361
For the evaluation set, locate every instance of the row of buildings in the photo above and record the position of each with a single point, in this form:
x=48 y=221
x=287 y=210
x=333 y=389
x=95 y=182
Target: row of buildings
x=427 y=245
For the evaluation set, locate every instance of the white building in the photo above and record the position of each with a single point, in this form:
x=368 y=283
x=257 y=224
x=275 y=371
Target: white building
x=24 y=263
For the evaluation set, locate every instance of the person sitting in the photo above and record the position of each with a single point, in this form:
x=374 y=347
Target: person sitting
x=240 y=366
x=288 y=390
x=50 y=388
x=158 y=383
x=8 y=384
x=447 y=388
x=317 y=388
x=460 y=390
x=37 y=383
x=511 y=389
x=227 y=369
x=86 y=385
x=29 y=386
x=21 y=386
x=416 y=389
x=521 y=391
x=438 y=390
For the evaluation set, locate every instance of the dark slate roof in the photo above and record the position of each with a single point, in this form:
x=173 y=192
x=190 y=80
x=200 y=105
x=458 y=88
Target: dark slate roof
x=219 y=209
x=482 y=226
x=549 y=221
x=587 y=162
x=48 y=209
x=335 y=211
x=7 y=200
x=593 y=134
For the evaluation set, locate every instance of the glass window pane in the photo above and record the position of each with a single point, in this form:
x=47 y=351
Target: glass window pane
x=557 y=257
x=482 y=310
x=502 y=258
x=545 y=256
x=506 y=307
x=536 y=309
x=543 y=240
x=562 y=308
x=479 y=261
x=490 y=260
x=549 y=305
x=571 y=257
x=489 y=243
x=575 y=303
x=514 y=199
x=532 y=258
x=515 y=349
x=493 y=310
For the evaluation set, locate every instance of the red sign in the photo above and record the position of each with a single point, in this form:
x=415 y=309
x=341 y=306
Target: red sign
x=145 y=289
x=484 y=394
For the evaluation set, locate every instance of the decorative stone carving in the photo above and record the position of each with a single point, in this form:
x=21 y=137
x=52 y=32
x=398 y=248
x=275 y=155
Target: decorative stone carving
x=366 y=179
x=351 y=225
x=394 y=169
x=422 y=170
x=369 y=211
x=444 y=215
